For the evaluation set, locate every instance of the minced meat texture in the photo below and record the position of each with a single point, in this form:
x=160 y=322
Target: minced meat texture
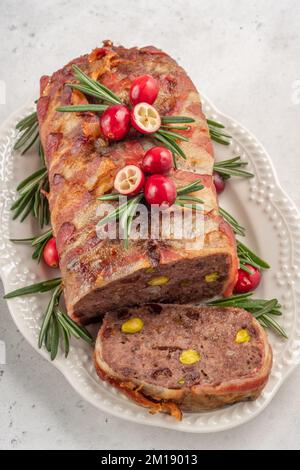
x=186 y=283
x=152 y=355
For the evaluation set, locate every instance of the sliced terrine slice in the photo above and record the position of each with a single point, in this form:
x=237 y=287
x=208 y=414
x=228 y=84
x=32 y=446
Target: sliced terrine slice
x=182 y=357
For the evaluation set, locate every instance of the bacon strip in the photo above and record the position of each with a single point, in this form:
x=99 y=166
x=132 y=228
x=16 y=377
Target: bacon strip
x=133 y=392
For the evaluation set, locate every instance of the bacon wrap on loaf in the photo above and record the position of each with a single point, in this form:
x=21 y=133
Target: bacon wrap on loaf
x=101 y=275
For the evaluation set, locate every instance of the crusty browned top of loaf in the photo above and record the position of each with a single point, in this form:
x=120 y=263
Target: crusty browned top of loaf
x=148 y=363
x=82 y=165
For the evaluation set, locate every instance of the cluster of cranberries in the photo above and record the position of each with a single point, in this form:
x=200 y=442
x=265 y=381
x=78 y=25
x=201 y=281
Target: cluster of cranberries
x=115 y=122
x=158 y=161
x=158 y=188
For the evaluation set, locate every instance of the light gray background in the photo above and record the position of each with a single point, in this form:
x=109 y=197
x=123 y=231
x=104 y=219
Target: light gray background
x=244 y=55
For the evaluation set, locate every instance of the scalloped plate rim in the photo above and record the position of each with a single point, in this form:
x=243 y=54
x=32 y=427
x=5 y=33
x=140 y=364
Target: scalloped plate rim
x=179 y=426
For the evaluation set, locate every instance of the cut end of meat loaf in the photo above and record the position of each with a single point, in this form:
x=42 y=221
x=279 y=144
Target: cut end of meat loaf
x=182 y=281
x=147 y=365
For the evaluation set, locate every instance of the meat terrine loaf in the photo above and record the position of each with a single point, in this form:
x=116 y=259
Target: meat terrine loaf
x=100 y=275
x=182 y=357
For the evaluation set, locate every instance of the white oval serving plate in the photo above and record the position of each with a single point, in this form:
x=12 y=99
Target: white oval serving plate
x=273 y=230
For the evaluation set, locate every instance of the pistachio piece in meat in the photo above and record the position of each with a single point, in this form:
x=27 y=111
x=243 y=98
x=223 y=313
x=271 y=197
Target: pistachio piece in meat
x=150 y=270
x=158 y=281
x=189 y=357
x=134 y=325
x=211 y=277
x=242 y=336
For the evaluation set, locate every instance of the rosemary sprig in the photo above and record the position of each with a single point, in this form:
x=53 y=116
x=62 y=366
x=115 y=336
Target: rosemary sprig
x=30 y=182
x=27 y=121
x=31 y=198
x=38 y=243
x=95 y=108
x=236 y=227
x=246 y=256
x=56 y=326
x=232 y=167
x=216 y=134
x=53 y=303
x=271 y=323
x=39 y=287
x=29 y=133
x=72 y=328
x=43 y=237
x=125 y=212
x=168 y=137
x=92 y=88
x=263 y=310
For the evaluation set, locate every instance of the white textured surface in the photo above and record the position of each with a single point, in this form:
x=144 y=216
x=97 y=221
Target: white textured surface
x=212 y=43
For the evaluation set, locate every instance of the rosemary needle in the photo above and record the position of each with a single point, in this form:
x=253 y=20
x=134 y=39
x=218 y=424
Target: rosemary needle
x=232 y=167
x=236 y=227
x=98 y=108
x=216 y=134
x=93 y=87
x=247 y=256
x=29 y=133
x=32 y=199
x=39 y=287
